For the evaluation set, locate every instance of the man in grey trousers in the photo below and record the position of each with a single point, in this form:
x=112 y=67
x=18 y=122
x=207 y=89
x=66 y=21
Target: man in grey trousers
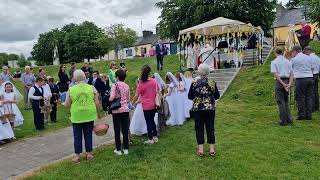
x=283 y=74
x=316 y=67
x=302 y=66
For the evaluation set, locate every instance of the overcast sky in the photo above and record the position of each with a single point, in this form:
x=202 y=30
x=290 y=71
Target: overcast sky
x=21 y=21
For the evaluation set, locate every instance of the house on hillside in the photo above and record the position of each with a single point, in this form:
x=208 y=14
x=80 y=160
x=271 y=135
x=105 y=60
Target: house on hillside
x=285 y=20
x=142 y=47
x=150 y=40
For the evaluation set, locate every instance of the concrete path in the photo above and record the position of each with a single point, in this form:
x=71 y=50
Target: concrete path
x=28 y=154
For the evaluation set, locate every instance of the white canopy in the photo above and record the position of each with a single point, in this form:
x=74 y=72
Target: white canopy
x=220 y=26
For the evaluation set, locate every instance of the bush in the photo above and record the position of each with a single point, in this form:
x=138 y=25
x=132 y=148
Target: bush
x=315 y=46
x=22 y=63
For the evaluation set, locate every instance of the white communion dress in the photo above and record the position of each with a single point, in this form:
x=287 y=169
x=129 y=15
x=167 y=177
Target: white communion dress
x=187 y=102
x=6 y=131
x=176 y=107
x=12 y=107
x=138 y=125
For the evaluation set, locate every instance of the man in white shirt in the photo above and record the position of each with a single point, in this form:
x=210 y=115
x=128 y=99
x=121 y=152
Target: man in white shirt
x=316 y=67
x=36 y=94
x=283 y=74
x=302 y=66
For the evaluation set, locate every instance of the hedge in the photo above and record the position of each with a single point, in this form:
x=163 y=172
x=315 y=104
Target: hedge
x=315 y=46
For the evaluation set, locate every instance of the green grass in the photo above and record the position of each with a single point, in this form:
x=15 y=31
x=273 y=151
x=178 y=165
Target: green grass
x=134 y=66
x=250 y=144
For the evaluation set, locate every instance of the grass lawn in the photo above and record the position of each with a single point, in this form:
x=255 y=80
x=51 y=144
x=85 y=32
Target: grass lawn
x=250 y=144
x=133 y=66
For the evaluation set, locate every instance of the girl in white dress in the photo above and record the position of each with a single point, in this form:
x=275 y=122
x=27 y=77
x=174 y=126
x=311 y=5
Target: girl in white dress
x=138 y=125
x=9 y=97
x=187 y=81
x=175 y=102
x=6 y=132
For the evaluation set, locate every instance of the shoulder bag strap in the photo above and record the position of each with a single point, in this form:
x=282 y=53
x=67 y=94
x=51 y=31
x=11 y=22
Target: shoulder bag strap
x=118 y=90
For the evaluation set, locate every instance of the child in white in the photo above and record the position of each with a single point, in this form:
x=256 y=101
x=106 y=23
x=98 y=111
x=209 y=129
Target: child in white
x=10 y=100
x=175 y=102
x=187 y=80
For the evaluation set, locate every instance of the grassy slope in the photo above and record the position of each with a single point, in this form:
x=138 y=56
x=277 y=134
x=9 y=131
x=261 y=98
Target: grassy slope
x=134 y=67
x=250 y=144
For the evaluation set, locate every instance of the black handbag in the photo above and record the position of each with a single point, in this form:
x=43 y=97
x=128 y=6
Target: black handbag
x=116 y=104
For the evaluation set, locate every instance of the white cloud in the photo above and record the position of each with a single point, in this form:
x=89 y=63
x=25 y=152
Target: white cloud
x=21 y=21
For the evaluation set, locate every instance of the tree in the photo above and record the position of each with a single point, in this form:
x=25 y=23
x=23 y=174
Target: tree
x=23 y=63
x=81 y=42
x=180 y=14
x=3 y=61
x=30 y=58
x=104 y=44
x=4 y=56
x=12 y=57
x=313 y=10
x=74 y=42
x=121 y=37
x=293 y=3
x=42 y=51
x=22 y=57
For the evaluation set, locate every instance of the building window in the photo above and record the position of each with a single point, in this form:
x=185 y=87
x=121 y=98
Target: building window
x=129 y=52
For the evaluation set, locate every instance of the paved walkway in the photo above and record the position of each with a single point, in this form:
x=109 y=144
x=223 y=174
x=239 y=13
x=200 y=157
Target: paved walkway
x=32 y=153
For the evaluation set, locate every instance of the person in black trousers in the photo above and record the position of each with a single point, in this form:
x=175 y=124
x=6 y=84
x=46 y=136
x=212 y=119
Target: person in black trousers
x=283 y=75
x=204 y=92
x=103 y=88
x=160 y=50
x=302 y=66
x=63 y=79
x=36 y=96
x=54 y=98
x=316 y=66
x=146 y=92
x=120 y=116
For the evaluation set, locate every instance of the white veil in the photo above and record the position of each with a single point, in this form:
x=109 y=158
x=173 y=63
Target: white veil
x=186 y=81
x=172 y=79
x=16 y=92
x=159 y=80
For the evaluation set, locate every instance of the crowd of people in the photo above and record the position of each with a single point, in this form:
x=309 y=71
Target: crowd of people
x=157 y=103
x=303 y=67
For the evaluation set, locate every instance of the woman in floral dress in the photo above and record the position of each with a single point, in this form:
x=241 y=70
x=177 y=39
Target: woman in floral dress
x=204 y=92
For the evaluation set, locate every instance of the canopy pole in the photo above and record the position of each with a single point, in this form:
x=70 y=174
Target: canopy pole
x=180 y=55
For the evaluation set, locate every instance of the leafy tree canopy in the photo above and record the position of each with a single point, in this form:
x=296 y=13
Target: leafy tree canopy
x=293 y=3
x=76 y=42
x=180 y=14
x=312 y=8
x=120 y=36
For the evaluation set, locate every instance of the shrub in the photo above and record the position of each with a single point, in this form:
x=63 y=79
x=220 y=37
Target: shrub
x=23 y=63
x=315 y=46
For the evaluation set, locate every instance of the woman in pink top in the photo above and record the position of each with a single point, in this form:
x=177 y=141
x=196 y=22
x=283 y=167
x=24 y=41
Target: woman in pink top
x=146 y=91
x=121 y=116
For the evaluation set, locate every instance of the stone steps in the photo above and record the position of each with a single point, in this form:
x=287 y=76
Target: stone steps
x=223 y=78
x=250 y=60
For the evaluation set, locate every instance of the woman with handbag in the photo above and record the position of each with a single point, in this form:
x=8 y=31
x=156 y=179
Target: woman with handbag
x=147 y=93
x=120 y=98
